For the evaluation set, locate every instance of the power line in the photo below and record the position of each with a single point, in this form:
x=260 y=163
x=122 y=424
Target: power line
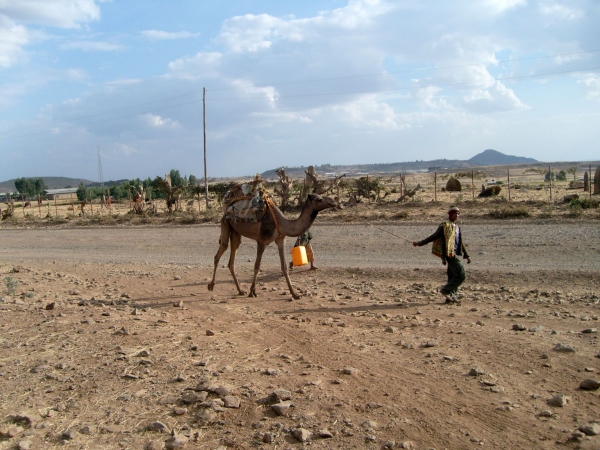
x=423 y=69
x=516 y=77
x=294 y=82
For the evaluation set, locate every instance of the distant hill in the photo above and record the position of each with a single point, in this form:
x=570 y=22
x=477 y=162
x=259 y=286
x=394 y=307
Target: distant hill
x=486 y=158
x=355 y=169
x=495 y=158
x=51 y=182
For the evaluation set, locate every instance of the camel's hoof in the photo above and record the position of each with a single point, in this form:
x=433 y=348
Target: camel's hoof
x=296 y=296
x=252 y=294
x=211 y=286
x=241 y=292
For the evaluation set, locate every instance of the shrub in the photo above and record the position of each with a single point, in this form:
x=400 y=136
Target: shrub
x=11 y=285
x=584 y=203
x=547 y=212
x=401 y=215
x=575 y=210
x=508 y=211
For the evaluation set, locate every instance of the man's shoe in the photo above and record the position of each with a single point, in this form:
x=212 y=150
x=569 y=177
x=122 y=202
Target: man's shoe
x=454 y=299
x=447 y=296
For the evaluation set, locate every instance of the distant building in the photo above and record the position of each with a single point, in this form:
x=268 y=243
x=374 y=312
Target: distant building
x=4 y=196
x=61 y=194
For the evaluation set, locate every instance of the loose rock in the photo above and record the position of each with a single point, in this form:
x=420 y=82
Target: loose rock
x=559 y=400
x=589 y=385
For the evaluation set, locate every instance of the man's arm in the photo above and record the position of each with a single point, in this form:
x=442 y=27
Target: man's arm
x=439 y=233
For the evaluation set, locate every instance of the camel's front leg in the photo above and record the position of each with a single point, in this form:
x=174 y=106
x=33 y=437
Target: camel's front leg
x=284 y=267
x=222 y=247
x=236 y=240
x=259 y=252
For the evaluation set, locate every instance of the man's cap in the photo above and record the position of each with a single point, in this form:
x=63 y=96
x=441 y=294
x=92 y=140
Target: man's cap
x=453 y=208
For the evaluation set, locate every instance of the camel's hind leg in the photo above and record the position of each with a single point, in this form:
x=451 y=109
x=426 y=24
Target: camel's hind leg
x=223 y=244
x=260 y=248
x=236 y=240
x=284 y=267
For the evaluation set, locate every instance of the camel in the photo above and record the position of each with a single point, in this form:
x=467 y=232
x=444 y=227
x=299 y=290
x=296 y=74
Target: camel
x=273 y=227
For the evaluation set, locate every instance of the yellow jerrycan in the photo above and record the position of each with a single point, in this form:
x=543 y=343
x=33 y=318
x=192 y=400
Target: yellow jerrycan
x=299 y=256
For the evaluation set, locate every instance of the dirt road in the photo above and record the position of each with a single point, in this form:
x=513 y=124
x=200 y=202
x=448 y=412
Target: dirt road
x=110 y=339
x=527 y=245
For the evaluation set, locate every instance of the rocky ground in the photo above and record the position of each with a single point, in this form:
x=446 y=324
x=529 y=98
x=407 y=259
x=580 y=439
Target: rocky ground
x=110 y=339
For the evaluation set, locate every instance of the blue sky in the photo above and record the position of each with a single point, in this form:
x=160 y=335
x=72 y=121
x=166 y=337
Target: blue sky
x=292 y=83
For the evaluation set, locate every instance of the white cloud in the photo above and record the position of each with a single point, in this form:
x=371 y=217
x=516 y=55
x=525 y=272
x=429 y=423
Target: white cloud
x=560 y=12
x=254 y=33
x=497 y=98
x=56 y=13
x=157 y=35
x=12 y=39
x=126 y=150
x=500 y=6
x=201 y=65
x=591 y=84
x=368 y=113
x=428 y=98
x=91 y=46
x=123 y=82
x=155 y=121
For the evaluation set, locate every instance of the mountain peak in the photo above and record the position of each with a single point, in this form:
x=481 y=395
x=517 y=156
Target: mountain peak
x=492 y=157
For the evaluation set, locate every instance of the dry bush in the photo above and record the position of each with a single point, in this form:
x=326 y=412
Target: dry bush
x=509 y=211
x=213 y=215
x=401 y=215
x=547 y=211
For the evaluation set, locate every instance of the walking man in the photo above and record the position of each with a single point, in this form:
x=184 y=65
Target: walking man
x=448 y=245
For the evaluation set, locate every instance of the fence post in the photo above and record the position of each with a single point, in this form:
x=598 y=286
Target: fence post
x=590 y=182
x=435 y=186
x=473 y=184
x=55 y=207
x=508 y=172
x=550 y=178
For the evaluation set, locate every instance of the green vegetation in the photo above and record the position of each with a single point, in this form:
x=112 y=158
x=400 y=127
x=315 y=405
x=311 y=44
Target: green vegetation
x=30 y=187
x=584 y=203
x=11 y=285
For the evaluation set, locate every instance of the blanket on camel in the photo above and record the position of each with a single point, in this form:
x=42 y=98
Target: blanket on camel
x=246 y=202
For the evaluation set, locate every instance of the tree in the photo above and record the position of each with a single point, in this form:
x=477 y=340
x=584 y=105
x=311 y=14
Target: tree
x=81 y=192
x=40 y=186
x=30 y=187
x=573 y=170
x=549 y=176
x=22 y=185
x=176 y=178
x=561 y=176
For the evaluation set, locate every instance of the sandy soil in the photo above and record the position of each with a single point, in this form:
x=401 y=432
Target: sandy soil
x=110 y=339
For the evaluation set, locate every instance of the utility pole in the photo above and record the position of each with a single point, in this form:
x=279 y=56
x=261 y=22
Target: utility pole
x=204 y=126
x=100 y=174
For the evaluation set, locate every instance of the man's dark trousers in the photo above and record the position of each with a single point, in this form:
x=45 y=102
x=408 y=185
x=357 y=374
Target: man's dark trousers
x=456 y=275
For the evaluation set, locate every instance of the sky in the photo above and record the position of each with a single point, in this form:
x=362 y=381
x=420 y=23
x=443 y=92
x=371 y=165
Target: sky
x=290 y=83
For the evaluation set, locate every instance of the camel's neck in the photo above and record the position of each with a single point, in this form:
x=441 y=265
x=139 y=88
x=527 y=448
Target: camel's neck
x=298 y=226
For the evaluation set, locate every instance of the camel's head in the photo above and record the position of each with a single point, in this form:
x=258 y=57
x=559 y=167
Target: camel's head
x=319 y=203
